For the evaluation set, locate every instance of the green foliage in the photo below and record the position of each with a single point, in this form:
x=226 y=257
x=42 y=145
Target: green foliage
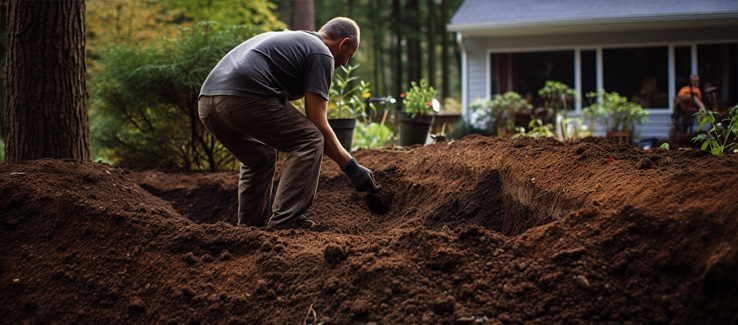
x=722 y=135
x=419 y=100
x=229 y=12
x=372 y=135
x=144 y=100
x=500 y=110
x=536 y=128
x=2 y=150
x=346 y=98
x=558 y=95
x=615 y=111
x=664 y=146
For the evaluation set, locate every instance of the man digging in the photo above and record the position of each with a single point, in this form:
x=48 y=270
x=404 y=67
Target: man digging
x=244 y=103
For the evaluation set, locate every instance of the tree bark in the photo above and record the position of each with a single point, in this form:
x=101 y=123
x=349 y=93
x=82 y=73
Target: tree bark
x=414 y=56
x=46 y=102
x=397 y=65
x=304 y=15
x=431 y=43
x=445 y=87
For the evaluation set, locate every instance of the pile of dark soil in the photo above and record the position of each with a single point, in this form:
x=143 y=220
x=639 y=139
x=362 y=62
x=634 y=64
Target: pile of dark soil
x=483 y=230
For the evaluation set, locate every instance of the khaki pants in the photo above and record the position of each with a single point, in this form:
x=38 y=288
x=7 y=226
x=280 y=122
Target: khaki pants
x=251 y=129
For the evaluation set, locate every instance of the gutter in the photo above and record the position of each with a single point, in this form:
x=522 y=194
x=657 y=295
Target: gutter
x=476 y=26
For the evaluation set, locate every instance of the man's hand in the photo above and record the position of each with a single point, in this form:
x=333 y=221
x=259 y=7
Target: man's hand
x=361 y=178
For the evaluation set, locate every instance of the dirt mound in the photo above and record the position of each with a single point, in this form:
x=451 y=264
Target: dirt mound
x=479 y=230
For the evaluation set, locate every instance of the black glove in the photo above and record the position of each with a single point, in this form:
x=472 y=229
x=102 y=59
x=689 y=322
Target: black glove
x=361 y=178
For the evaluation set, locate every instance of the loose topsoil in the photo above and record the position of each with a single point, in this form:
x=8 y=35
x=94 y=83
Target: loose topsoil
x=481 y=230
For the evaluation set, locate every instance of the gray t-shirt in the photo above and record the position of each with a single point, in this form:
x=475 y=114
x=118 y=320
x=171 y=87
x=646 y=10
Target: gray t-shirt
x=284 y=64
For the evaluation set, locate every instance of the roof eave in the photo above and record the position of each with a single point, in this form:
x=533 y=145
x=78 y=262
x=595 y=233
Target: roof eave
x=594 y=24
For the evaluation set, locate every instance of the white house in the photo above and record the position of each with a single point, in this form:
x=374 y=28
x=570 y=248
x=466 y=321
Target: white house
x=643 y=49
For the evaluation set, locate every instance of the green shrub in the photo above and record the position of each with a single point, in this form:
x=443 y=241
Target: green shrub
x=144 y=100
x=372 y=135
x=500 y=110
x=614 y=111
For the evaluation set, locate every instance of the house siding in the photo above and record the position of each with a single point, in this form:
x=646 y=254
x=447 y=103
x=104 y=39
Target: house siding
x=477 y=49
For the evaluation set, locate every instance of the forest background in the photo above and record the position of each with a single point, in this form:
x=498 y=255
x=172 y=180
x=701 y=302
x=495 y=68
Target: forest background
x=146 y=60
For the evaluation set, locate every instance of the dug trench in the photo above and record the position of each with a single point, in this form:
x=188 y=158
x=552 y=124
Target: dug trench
x=476 y=230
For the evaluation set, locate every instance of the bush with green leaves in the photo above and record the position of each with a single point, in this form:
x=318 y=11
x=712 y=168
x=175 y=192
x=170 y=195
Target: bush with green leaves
x=419 y=99
x=500 y=110
x=614 y=111
x=144 y=100
x=2 y=150
x=558 y=95
x=372 y=135
x=347 y=97
x=722 y=136
x=536 y=128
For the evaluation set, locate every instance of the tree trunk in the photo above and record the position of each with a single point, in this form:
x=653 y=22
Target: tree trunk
x=304 y=15
x=46 y=102
x=445 y=87
x=397 y=65
x=431 y=43
x=414 y=56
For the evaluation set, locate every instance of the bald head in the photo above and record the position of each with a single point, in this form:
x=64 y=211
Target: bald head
x=341 y=27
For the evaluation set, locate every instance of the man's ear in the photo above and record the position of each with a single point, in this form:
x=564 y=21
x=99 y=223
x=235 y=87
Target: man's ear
x=344 y=43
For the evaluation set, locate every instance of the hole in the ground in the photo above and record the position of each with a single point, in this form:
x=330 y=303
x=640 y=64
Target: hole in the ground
x=501 y=201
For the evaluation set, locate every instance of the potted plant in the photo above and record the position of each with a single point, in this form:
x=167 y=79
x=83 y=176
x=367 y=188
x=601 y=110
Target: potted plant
x=560 y=98
x=346 y=104
x=618 y=115
x=416 y=118
x=499 y=111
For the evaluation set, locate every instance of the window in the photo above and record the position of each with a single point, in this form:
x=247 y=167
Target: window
x=589 y=72
x=717 y=66
x=526 y=73
x=640 y=74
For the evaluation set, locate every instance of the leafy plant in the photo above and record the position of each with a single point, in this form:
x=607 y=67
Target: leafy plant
x=372 y=135
x=558 y=96
x=419 y=100
x=614 y=111
x=664 y=146
x=347 y=101
x=500 y=110
x=2 y=150
x=722 y=135
x=144 y=100
x=536 y=128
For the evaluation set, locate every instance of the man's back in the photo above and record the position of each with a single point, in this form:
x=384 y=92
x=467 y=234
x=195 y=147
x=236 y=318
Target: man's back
x=276 y=64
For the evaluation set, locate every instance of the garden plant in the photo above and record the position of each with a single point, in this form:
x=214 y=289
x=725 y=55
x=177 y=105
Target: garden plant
x=722 y=136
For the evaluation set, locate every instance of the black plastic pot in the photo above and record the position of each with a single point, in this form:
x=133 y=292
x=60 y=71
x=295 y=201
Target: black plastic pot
x=414 y=130
x=344 y=130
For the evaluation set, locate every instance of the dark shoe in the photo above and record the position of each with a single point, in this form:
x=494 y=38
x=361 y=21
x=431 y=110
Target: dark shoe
x=300 y=222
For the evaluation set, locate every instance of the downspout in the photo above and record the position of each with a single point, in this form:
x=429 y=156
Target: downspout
x=464 y=91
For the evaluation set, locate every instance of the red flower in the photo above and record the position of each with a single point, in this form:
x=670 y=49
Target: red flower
x=611 y=160
x=402 y=95
x=428 y=104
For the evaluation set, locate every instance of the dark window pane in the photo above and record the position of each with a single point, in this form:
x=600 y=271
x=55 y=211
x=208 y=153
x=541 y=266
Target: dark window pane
x=640 y=74
x=589 y=72
x=528 y=72
x=682 y=62
x=716 y=65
